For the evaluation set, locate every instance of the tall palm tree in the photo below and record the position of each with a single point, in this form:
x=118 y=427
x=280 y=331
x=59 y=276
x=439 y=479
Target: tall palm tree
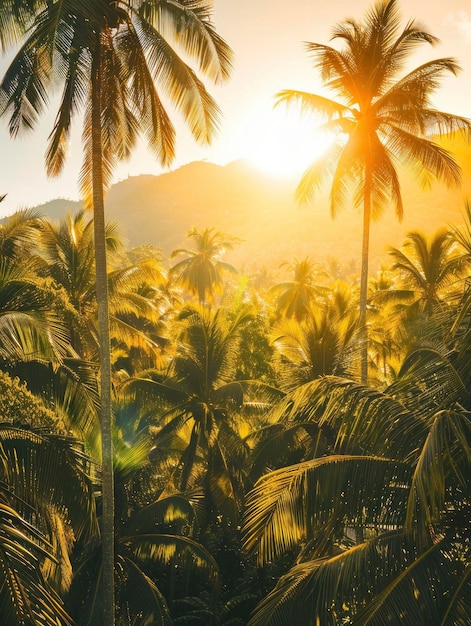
x=382 y=117
x=109 y=58
x=201 y=272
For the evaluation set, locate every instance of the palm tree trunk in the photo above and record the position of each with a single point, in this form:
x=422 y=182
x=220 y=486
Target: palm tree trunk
x=365 y=248
x=107 y=522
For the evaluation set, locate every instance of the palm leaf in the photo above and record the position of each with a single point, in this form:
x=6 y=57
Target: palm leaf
x=25 y=597
x=428 y=381
x=49 y=470
x=362 y=418
x=166 y=548
x=145 y=603
x=288 y=506
x=441 y=468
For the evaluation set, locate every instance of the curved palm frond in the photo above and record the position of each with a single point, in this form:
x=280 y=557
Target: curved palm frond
x=292 y=504
x=361 y=418
x=45 y=470
x=393 y=583
x=25 y=596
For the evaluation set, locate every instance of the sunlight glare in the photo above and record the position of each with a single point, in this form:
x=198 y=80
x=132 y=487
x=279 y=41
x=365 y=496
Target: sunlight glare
x=280 y=142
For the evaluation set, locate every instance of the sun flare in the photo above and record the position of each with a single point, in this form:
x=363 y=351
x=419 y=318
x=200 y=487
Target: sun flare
x=282 y=143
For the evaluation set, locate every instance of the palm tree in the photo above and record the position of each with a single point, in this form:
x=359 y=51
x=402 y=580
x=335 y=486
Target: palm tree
x=294 y=299
x=413 y=307
x=68 y=250
x=395 y=464
x=382 y=117
x=201 y=272
x=195 y=409
x=428 y=269
x=109 y=57
x=321 y=343
x=67 y=247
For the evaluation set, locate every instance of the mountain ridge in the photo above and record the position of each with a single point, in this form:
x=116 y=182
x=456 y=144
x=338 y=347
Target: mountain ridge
x=261 y=211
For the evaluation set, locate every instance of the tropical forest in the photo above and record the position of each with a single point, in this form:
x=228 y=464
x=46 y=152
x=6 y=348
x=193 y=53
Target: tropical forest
x=189 y=437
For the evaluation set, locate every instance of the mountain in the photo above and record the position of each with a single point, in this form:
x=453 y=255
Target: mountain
x=262 y=212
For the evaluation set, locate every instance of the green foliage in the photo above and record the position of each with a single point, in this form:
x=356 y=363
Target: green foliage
x=330 y=502
x=20 y=407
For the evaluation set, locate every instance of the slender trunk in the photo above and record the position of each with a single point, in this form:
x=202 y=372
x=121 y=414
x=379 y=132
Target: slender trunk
x=364 y=278
x=107 y=522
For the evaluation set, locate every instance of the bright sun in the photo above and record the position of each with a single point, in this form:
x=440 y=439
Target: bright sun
x=281 y=142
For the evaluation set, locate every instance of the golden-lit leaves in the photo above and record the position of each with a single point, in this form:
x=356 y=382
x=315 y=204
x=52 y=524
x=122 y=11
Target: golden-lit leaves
x=390 y=115
x=294 y=504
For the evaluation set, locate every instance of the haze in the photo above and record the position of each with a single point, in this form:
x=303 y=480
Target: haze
x=267 y=37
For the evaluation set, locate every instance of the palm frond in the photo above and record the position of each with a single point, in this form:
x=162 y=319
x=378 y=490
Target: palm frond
x=428 y=382
x=49 y=470
x=190 y=25
x=324 y=107
x=361 y=418
x=144 y=601
x=166 y=548
x=443 y=464
x=180 y=83
x=290 y=505
x=25 y=596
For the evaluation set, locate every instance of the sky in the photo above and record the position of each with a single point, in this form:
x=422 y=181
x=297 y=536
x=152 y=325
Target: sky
x=267 y=38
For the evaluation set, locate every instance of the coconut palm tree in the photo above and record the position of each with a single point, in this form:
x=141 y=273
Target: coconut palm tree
x=428 y=269
x=69 y=252
x=322 y=343
x=394 y=463
x=109 y=58
x=295 y=298
x=383 y=116
x=194 y=410
x=202 y=271
x=426 y=280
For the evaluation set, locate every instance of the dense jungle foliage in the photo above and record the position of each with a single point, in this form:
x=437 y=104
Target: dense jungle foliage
x=257 y=481
x=183 y=443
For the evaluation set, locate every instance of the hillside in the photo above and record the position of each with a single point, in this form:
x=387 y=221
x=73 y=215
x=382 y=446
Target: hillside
x=238 y=200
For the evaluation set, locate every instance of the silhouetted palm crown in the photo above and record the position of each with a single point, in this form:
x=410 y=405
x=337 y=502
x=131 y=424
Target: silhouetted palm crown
x=382 y=114
x=382 y=117
x=137 y=43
